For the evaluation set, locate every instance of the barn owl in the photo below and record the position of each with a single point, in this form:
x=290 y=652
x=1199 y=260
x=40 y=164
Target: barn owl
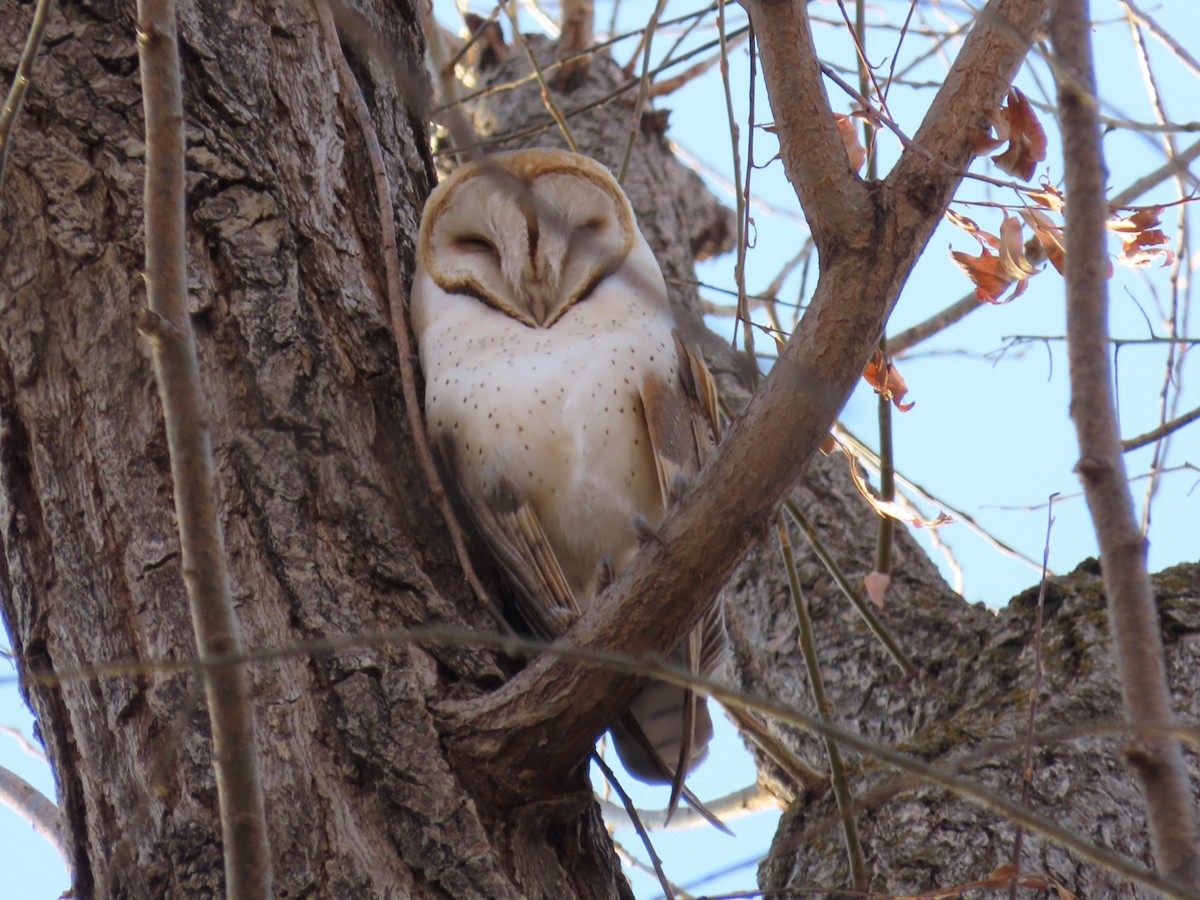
x=563 y=402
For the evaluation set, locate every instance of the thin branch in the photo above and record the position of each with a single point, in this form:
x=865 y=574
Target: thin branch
x=35 y=809
x=539 y=74
x=1172 y=168
x=816 y=684
x=868 y=456
x=943 y=775
x=167 y=324
x=861 y=606
x=22 y=741
x=1179 y=51
x=743 y=194
x=632 y=813
x=1161 y=431
x=675 y=82
x=21 y=80
x=735 y=805
x=1034 y=694
x=814 y=158
x=901 y=343
x=635 y=124
x=397 y=311
x=1133 y=621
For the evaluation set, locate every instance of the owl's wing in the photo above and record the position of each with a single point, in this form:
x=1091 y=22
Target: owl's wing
x=515 y=535
x=683 y=424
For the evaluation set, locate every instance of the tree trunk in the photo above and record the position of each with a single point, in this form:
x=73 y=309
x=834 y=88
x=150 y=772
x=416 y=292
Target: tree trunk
x=973 y=690
x=329 y=522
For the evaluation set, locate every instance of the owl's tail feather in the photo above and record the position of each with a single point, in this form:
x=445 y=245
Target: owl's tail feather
x=651 y=732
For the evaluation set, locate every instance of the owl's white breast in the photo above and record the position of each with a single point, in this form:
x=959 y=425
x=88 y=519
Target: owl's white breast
x=554 y=412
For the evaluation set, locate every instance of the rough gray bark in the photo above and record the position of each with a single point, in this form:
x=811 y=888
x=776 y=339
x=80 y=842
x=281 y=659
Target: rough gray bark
x=327 y=517
x=978 y=671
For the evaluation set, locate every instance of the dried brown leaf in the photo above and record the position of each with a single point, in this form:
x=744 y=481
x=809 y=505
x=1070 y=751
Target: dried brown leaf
x=1049 y=236
x=889 y=508
x=876 y=585
x=856 y=152
x=887 y=381
x=1016 y=124
x=1144 y=242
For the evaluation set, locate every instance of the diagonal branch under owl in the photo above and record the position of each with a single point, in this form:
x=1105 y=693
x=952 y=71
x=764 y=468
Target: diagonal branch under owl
x=565 y=405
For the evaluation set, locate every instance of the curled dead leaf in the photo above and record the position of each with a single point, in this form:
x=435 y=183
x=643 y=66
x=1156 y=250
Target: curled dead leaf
x=1142 y=239
x=876 y=585
x=887 y=381
x=890 y=508
x=856 y=152
x=1049 y=236
x=1016 y=124
x=994 y=273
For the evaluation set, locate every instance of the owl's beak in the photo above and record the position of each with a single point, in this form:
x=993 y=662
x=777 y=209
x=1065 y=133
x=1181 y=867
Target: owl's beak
x=538 y=293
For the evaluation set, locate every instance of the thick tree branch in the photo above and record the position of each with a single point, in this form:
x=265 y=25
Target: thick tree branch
x=835 y=200
x=1133 y=618
x=929 y=169
x=769 y=446
x=205 y=574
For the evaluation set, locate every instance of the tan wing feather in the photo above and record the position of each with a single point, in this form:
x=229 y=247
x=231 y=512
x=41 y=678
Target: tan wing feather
x=515 y=534
x=683 y=426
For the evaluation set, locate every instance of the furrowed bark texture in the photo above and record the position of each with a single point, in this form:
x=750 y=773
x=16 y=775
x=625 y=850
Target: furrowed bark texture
x=977 y=671
x=327 y=517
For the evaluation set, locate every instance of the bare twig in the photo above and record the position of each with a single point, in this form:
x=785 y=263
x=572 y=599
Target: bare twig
x=1172 y=168
x=397 y=311
x=868 y=456
x=816 y=683
x=20 y=85
x=944 y=776
x=734 y=805
x=1159 y=32
x=1133 y=621
x=540 y=75
x=36 y=809
x=635 y=124
x=743 y=193
x=632 y=812
x=1034 y=694
x=690 y=74
x=861 y=606
x=22 y=741
x=957 y=311
x=1161 y=431
x=205 y=575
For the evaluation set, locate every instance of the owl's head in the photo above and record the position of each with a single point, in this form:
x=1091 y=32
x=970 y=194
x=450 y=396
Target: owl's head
x=530 y=233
